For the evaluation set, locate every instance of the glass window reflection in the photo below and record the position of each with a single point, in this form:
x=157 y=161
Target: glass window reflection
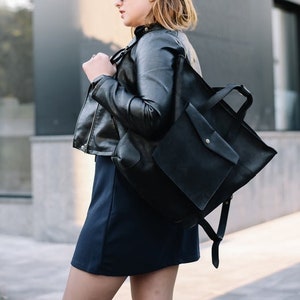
x=286 y=48
x=16 y=97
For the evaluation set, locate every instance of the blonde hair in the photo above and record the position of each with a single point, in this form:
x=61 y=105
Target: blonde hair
x=173 y=14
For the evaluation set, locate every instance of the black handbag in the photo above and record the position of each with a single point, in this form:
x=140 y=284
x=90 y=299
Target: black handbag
x=208 y=153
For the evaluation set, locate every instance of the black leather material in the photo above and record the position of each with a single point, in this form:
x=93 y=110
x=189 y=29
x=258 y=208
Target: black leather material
x=195 y=157
x=95 y=131
x=133 y=158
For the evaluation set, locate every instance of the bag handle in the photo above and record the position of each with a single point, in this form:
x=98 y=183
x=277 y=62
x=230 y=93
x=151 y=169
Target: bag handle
x=223 y=92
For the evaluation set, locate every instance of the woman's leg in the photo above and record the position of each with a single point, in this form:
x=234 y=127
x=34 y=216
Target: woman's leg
x=85 y=286
x=158 y=285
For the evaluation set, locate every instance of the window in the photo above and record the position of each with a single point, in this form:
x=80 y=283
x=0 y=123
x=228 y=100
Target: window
x=16 y=97
x=286 y=67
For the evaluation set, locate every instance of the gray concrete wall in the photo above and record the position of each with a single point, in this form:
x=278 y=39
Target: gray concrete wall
x=233 y=40
x=62 y=182
x=16 y=216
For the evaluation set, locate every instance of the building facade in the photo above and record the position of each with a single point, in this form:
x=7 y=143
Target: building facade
x=252 y=42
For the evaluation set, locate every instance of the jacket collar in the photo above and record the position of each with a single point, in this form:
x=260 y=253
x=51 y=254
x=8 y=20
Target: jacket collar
x=141 y=30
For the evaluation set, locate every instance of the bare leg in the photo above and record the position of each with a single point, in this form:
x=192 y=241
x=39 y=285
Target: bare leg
x=84 y=286
x=158 y=285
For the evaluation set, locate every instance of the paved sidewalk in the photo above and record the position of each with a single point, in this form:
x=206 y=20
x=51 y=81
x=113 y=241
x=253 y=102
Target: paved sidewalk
x=259 y=263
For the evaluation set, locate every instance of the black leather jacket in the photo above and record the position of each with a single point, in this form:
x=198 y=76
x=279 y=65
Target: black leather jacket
x=139 y=97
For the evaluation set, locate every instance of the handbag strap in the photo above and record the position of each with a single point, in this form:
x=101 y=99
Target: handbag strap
x=217 y=237
x=118 y=56
x=221 y=93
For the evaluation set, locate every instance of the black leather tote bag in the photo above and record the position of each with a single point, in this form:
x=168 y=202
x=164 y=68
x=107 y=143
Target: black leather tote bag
x=208 y=153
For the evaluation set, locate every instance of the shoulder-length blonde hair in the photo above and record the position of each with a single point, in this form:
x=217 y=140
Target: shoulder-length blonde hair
x=173 y=14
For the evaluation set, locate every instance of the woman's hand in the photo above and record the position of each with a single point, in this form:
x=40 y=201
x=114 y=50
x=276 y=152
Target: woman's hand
x=98 y=65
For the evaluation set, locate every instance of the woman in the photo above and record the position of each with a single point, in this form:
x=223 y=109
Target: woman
x=122 y=235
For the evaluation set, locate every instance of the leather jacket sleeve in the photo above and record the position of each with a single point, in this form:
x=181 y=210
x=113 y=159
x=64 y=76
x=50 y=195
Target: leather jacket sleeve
x=147 y=110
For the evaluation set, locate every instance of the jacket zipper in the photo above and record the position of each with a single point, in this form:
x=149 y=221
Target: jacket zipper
x=114 y=59
x=84 y=147
x=116 y=126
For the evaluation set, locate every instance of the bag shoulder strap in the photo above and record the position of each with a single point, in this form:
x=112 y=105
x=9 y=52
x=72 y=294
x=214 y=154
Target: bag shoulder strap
x=216 y=237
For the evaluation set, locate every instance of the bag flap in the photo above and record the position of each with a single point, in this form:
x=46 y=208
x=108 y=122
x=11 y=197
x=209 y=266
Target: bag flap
x=209 y=137
x=195 y=157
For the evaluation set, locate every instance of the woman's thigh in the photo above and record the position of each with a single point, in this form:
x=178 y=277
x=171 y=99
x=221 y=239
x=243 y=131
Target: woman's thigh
x=85 y=286
x=158 y=285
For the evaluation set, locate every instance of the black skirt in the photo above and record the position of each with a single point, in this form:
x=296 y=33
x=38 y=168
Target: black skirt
x=123 y=236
